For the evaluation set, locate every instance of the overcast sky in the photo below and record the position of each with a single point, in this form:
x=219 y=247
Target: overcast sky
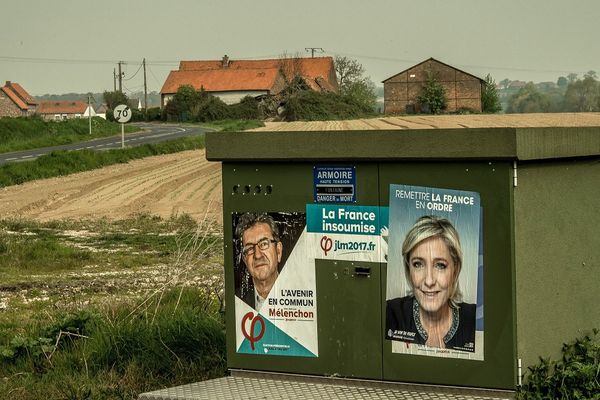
x=62 y=46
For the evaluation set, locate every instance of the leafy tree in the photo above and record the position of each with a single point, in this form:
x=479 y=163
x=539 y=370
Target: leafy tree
x=504 y=83
x=185 y=103
x=562 y=82
x=591 y=74
x=348 y=71
x=352 y=82
x=528 y=100
x=113 y=99
x=433 y=97
x=572 y=77
x=583 y=95
x=489 y=96
x=362 y=92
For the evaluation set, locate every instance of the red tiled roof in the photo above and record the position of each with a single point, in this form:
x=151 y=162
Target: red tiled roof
x=311 y=67
x=244 y=74
x=23 y=94
x=14 y=97
x=62 y=107
x=222 y=80
x=19 y=95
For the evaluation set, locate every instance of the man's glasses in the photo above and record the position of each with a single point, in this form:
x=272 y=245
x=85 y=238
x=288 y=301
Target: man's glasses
x=262 y=244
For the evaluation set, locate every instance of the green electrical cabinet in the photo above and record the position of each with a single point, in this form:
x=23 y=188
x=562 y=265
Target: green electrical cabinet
x=524 y=201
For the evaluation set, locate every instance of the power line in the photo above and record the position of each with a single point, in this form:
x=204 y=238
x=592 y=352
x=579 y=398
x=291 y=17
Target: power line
x=464 y=66
x=53 y=60
x=154 y=76
x=133 y=76
x=37 y=60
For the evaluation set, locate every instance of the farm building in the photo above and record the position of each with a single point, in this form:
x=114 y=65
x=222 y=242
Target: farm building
x=463 y=90
x=15 y=101
x=232 y=80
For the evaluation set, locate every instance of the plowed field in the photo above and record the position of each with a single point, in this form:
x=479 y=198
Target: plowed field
x=163 y=185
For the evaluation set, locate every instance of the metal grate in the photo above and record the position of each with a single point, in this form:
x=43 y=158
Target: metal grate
x=251 y=388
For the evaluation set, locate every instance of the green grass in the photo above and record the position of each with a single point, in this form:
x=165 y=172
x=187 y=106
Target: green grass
x=234 y=125
x=60 y=163
x=112 y=354
x=99 y=309
x=32 y=132
x=60 y=246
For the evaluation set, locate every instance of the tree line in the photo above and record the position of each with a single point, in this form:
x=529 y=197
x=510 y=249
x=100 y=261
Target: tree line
x=568 y=94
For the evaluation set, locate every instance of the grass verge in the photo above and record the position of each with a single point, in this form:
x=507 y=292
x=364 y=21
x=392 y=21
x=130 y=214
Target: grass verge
x=33 y=132
x=234 y=125
x=60 y=163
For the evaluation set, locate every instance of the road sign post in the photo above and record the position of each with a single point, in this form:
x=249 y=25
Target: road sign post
x=122 y=114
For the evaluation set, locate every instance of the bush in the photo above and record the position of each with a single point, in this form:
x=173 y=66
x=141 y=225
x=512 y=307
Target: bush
x=154 y=114
x=314 y=106
x=211 y=109
x=575 y=376
x=245 y=109
x=433 y=97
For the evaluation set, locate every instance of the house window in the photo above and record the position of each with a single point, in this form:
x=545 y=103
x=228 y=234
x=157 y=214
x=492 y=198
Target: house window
x=77 y=115
x=64 y=117
x=57 y=117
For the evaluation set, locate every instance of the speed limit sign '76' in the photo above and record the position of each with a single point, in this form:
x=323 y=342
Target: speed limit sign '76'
x=122 y=113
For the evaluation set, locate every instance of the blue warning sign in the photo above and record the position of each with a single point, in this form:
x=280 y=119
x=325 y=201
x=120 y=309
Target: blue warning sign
x=334 y=184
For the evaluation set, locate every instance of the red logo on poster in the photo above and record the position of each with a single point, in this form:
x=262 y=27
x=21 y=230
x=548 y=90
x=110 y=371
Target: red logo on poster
x=326 y=244
x=250 y=335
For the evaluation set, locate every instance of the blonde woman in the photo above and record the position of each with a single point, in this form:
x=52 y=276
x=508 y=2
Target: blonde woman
x=432 y=314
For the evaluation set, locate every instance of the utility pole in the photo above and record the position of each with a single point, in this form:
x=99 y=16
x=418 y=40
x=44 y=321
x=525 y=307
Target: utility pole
x=145 y=89
x=90 y=111
x=313 y=49
x=120 y=77
x=114 y=80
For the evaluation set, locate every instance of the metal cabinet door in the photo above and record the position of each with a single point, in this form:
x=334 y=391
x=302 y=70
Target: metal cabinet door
x=346 y=345
x=349 y=318
x=497 y=368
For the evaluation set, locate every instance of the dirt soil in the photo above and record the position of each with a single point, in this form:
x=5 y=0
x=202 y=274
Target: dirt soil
x=162 y=185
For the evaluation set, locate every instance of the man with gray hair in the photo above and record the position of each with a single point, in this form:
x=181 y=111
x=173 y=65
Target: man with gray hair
x=261 y=253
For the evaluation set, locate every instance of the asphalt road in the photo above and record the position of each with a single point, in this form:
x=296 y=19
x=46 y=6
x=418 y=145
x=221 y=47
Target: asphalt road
x=151 y=133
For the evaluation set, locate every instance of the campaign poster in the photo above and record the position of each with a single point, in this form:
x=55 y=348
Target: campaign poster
x=275 y=285
x=346 y=232
x=434 y=294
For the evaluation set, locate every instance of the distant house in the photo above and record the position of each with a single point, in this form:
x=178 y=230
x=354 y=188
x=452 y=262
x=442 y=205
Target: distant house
x=232 y=80
x=101 y=110
x=135 y=104
x=15 y=101
x=463 y=90
x=517 y=85
x=61 y=110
